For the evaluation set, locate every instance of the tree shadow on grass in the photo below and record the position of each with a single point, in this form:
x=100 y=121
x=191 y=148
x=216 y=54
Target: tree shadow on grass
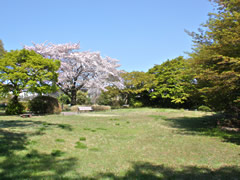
x=31 y=165
x=30 y=123
x=18 y=123
x=206 y=125
x=148 y=171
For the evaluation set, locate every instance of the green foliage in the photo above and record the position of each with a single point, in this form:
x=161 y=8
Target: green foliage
x=45 y=105
x=137 y=87
x=112 y=97
x=137 y=104
x=171 y=81
x=66 y=107
x=82 y=98
x=25 y=105
x=204 y=108
x=63 y=98
x=2 y=106
x=216 y=58
x=2 y=50
x=14 y=107
x=23 y=70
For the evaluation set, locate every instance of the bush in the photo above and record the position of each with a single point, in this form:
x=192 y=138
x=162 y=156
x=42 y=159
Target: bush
x=82 y=98
x=66 y=107
x=74 y=108
x=137 y=104
x=45 y=105
x=63 y=98
x=25 y=105
x=101 y=108
x=14 y=107
x=204 y=108
x=3 y=105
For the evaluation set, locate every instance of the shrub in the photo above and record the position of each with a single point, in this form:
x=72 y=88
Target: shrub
x=63 y=98
x=101 y=108
x=25 y=105
x=3 y=105
x=74 y=108
x=82 y=98
x=204 y=108
x=45 y=105
x=14 y=107
x=137 y=104
x=66 y=107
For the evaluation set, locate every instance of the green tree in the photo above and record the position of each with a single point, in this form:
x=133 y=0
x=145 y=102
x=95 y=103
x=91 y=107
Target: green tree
x=216 y=57
x=82 y=97
x=64 y=99
x=136 y=90
x=111 y=97
x=23 y=70
x=137 y=87
x=2 y=50
x=172 y=84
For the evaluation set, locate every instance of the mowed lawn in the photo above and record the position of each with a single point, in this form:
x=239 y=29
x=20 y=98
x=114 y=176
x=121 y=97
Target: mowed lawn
x=119 y=144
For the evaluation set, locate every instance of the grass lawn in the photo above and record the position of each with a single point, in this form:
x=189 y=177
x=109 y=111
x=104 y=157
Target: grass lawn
x=119 y=144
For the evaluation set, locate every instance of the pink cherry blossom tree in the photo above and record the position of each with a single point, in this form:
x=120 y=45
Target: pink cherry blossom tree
x=80 y=70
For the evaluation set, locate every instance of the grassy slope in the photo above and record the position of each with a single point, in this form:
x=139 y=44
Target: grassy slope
x=121 y=144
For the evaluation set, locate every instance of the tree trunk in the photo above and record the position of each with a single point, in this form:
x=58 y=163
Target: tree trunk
x=73 y=96
x=15 y=99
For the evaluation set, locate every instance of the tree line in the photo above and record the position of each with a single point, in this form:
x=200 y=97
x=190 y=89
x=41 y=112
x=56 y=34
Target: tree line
x=209 y=77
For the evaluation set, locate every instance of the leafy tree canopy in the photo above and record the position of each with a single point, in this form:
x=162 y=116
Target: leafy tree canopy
x=170 y=80
x=137 y=86
x=216 y=57
x=136 y=82
x=2 y=50
x=23 y=70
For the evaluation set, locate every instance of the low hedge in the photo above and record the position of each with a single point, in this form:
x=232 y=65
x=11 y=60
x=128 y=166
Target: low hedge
x=101 y=108
x=45 y=105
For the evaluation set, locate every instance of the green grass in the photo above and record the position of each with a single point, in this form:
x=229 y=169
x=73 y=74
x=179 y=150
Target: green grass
x=120 y=144
x=80 y=145
x=82 y=139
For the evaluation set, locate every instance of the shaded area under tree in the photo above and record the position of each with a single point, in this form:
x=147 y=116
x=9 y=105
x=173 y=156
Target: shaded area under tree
x=34 y=164
x=207 y=125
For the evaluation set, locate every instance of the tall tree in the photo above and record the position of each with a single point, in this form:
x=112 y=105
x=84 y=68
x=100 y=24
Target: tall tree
x=216 y=57
x=171 y=81
x=137 y=87
x=81 y=70
x=23 y=70
x=2 y=50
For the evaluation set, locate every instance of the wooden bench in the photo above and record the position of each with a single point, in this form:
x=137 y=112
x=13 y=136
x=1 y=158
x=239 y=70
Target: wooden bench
x=25 y=115
x=87 y=108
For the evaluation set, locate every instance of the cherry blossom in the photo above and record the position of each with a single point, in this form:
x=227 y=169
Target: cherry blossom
x=81 y=70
